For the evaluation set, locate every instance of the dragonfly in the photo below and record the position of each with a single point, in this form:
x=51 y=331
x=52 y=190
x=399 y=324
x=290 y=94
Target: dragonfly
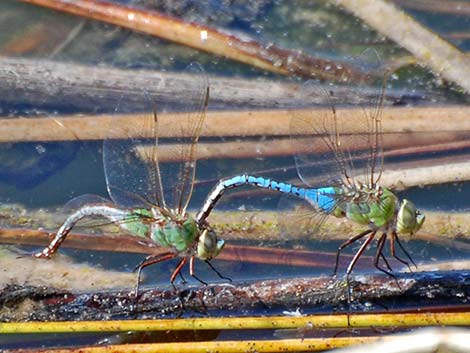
x=341 y=169
x=136 y=184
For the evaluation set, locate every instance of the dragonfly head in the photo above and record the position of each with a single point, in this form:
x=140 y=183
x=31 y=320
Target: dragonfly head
x=409 y=219
x=209 y=246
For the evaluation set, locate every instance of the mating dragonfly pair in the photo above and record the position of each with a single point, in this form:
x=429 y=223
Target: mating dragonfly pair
x=341 y=168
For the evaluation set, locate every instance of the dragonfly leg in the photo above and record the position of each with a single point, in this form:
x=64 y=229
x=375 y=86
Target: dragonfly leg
x=379 y=255
x=361 y=250
x=355 y=258
x=175 y=273
x=392 y=250
x=217 y=272
x=384 y=259
x=347 y=243
x=150 y=260
x=183 y=280
x=192 y=272
x=178 y=269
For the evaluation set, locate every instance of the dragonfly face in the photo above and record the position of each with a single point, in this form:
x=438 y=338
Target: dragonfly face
x=209 y=246
x=378 y=209
x=409 y=219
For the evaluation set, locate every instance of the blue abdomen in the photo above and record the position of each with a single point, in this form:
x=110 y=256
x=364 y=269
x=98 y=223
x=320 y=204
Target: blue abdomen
x=323 y=198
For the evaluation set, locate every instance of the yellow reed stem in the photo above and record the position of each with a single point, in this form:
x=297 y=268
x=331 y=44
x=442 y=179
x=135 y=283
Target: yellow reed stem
x=262 y=346
x=238 y=323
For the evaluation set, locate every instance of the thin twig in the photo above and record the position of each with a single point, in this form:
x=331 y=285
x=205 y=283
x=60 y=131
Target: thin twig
x=266 y=57
x=437 y=173
x=457 y=35
x=69 y=39
x=400 y=144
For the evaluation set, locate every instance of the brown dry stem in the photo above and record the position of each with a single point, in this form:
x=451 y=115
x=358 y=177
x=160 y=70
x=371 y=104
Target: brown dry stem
x=248 y=51
x=429 y=48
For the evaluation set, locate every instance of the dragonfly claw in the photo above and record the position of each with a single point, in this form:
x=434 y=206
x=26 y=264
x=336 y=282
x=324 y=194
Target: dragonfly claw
x=41 y=255
x=38 y=255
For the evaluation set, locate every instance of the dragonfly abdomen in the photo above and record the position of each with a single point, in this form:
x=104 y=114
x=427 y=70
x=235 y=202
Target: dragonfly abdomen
x=112 y=213
x=240 y=180
x=265 y=183
x=322 y=198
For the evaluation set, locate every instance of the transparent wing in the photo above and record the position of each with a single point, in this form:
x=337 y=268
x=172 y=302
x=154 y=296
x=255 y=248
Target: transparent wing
x=364 y=144
x=344 y=146
x=178 y=173
x=98 y=223
x=371 y=62
x=84 y=200
x=131 y=171
x=298 y=219
x=319 y=162
x=142 y=169
x=90 y=225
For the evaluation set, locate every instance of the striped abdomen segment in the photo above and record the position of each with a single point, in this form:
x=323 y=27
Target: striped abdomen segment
x=321 y=198
x=115 y=215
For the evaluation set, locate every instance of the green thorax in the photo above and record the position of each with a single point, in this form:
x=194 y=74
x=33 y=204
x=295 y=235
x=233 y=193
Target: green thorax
x=178 y=234
x=138 y=222
x=164 y=231
x=377 y=208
